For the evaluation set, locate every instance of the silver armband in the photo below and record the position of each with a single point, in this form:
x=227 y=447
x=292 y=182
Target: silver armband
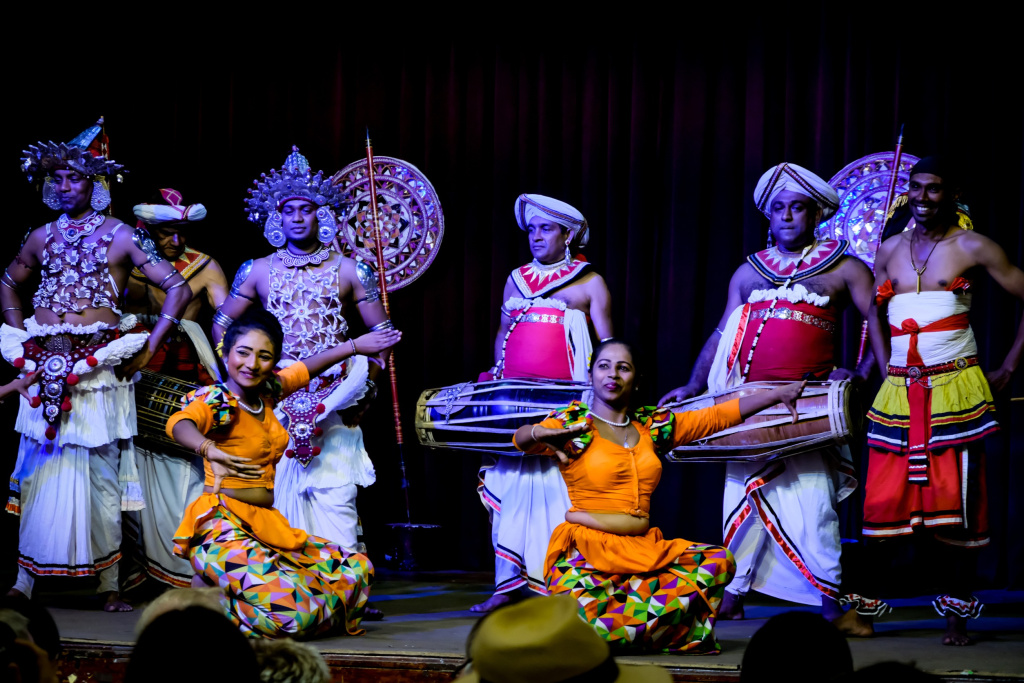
x=240 y=277
x=386 y=325
x=176 y=284
x=7 y=281
x=222 y=319
x=173 y=320
x=147 y=246
x=368 y=279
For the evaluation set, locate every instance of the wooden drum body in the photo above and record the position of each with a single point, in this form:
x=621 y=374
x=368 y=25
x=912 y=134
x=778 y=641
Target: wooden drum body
x=157 y=397
x=828 y=416
x=483 y=416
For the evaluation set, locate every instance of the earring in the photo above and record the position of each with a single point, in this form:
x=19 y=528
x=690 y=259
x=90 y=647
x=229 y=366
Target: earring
x=328 y=226
x=100 y=195
x=568 y=256
x=50 y=197
x=769 y=238
x=274 y=229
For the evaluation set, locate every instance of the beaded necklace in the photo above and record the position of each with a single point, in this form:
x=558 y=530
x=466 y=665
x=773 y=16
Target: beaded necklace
x=771 y=310
x=500 y=367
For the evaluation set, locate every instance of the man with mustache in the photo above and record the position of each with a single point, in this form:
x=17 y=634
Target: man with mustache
x=781 y=322
x=927 y=462
x=171 y=481
x=76 y=467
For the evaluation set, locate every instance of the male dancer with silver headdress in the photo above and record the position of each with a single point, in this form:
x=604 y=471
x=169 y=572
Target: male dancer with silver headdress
x=543 y=333
x=308 y=286
x=76 y=463
x=781 y=322
x=170 y=479
x=926 y=469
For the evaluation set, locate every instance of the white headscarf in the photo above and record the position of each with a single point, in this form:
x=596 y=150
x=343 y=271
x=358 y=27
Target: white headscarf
x=529 y=206
x=171 y=212
x=795 y=179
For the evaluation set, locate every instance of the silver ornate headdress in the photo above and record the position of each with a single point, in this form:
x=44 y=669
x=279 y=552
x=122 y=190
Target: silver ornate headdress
x=295 y=180
x=86 y=153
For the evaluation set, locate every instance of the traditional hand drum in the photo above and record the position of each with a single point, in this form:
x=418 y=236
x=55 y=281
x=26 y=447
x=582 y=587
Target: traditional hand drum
x=483 y=416
x=156 y=398
x=826 y=418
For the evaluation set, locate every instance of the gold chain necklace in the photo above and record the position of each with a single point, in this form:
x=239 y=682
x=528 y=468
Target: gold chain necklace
x=924 y=265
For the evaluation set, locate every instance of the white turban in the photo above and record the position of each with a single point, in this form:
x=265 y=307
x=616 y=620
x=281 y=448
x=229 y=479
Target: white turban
x=795 y=179
x=171 y=212
x=529 y=206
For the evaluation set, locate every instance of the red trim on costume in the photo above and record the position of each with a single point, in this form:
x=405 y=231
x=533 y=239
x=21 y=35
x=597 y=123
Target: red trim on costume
x=737 y=342
x=188 y=264
x=68 y=570
x=771 y=265
x=533 y=282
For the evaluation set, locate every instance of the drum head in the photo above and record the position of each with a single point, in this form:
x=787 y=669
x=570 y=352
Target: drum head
x=862 y=187
x=411 y=220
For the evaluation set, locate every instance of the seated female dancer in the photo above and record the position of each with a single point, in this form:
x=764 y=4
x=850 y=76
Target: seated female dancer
x=638 y=590
x=278 y=580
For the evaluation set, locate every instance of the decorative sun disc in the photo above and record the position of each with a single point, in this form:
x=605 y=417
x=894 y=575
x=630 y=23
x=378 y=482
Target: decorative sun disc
x=409 y=212
x=862 y=187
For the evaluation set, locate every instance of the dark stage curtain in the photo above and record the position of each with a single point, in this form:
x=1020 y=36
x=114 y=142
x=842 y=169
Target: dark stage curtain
x=658 y=143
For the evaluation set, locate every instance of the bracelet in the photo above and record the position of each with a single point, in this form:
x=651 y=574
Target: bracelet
x=386 y=325
x=531 y=434
x=11 y=308
x=222 y=319
x=719 y=332
x=167 y=317
x=355 y=351
x=204 y=448
x=177 y=284
x=371 y=385
x=169 y=276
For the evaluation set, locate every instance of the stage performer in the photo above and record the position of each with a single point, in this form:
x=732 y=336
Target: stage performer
x=170 y=481
x=308 y=286
x=542 y=333
x=926 y=468
x=76 y=467
x=781 y=322
x=278 y=580
x=637 y=589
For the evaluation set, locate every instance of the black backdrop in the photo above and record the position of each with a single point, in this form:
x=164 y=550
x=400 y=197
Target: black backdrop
x=659 y=142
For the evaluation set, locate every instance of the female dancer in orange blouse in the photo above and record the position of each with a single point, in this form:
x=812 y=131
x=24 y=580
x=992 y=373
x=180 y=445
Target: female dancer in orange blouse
x=637 y=589
x=278 y=580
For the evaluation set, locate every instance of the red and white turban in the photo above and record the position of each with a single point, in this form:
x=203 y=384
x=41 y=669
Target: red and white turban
x=529 y=206
x=795 y=179
x=171 y=212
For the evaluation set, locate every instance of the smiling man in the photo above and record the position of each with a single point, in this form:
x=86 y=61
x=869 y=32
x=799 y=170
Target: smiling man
x=311 y=288
x=927 y=424
x=543 y=333
x=781 y=322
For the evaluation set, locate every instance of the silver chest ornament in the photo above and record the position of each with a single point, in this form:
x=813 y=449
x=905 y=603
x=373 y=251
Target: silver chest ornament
x=301 y=411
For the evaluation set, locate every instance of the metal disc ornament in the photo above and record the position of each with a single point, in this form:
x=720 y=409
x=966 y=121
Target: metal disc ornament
x=411 y=220
x=862 y=187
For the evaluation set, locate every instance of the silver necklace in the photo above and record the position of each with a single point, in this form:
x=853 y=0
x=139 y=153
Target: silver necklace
x=249 y=409
x=293 y=260
x=74 y=230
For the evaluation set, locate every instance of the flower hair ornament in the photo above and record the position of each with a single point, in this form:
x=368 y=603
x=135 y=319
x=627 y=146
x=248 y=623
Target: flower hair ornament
x=86 y=154
x=295 y=180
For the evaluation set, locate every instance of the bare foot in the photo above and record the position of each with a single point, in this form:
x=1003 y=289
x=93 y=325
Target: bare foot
x=114 y=603
x=15 y=593
x=851 y=623
x=731 y=607
x=956 y=631
x=492 y=603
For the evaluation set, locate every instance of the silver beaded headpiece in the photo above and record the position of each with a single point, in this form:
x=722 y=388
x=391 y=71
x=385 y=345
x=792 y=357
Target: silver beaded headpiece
x=86 y=154
x=295 y=180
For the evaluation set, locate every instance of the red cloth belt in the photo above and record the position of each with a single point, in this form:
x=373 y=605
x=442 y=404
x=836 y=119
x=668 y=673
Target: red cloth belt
x=910 y=326
x=917 y=371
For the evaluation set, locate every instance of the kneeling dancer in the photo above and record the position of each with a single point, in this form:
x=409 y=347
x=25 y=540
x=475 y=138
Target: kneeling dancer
x=278 y=580
x=637 y=589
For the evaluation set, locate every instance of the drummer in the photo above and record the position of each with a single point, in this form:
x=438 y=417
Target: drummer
x=542 y=333
x=782 y=317
x=170 y=481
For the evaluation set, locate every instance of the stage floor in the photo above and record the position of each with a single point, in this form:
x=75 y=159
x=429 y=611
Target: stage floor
x=427 y=621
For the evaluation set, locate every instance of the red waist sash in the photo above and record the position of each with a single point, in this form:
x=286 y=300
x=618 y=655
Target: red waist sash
x=910 y=326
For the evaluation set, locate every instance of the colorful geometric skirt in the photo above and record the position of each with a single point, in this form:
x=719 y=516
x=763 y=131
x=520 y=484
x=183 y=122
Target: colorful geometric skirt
x=279 y=581
x=669 y=609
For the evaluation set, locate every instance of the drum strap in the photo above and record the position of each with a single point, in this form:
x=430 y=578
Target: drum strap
x=202 y=346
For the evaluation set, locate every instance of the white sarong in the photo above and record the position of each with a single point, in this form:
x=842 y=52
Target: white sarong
x=320 y=498
x=779 y=519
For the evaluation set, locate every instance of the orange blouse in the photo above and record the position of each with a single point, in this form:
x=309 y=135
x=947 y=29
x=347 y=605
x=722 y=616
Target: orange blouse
x=261 y=441
x=609 y=477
